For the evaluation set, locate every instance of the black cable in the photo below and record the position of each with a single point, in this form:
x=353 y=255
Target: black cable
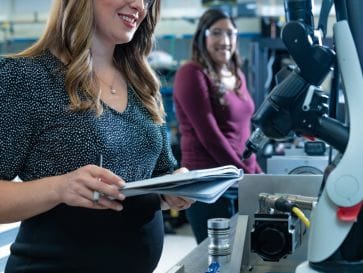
x=340 y=10
x=324 y=15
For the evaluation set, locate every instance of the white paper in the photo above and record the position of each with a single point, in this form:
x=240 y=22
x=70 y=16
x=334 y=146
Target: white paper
x=205 y=185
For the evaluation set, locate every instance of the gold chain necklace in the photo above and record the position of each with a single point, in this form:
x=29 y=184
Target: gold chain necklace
x=113 y=91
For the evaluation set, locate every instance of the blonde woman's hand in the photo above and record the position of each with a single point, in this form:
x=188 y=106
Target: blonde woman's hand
x=78 y=188
x=176 y=202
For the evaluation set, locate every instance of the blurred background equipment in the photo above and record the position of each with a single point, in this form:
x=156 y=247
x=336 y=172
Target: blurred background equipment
x=298 y=157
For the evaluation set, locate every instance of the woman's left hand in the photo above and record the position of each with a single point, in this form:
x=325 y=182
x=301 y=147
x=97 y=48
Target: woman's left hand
x=176 y=202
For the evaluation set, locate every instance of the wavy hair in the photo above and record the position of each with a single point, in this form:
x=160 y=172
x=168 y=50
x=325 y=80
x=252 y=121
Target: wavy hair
x=201 y=56
x=69 y=33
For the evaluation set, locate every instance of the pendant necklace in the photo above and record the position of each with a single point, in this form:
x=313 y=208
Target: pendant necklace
x=113 y=91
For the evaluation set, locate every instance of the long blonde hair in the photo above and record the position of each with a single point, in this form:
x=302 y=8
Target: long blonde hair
x=69 y=33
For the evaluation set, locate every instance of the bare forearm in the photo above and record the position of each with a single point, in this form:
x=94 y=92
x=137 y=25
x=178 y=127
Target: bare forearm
x=22 y=200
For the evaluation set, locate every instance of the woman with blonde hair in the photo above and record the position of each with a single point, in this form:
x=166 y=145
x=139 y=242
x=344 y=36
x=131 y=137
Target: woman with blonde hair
x=81 y=115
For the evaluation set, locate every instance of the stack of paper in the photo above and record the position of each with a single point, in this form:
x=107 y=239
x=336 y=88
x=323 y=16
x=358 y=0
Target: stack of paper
x=205 y=185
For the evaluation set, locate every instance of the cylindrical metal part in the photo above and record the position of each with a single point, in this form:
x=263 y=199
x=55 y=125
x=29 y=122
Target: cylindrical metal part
x=267 y=200
x=219 y=235
x=303 y=202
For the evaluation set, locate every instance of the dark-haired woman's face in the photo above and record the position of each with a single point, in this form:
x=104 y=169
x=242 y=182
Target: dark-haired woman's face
x=221 y=41
x=117 y=20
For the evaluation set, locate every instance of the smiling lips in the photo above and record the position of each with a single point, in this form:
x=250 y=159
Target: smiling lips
x=130 y=21
x=223 y=49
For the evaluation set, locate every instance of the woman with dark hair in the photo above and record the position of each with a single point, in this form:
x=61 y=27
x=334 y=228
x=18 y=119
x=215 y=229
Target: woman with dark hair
x=214 y=110
x=81 y=114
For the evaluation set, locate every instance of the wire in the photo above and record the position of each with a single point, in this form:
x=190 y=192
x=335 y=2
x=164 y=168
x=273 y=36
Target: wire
x=298 y=212
x=269 y=70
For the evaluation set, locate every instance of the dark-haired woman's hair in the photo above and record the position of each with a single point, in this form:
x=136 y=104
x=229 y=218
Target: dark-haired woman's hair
x=201 y=56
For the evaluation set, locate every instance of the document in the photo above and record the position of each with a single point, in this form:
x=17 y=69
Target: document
x=205 y=185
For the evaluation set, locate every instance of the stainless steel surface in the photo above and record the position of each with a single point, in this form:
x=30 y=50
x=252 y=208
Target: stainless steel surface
x=178 y=268
x=239 y=250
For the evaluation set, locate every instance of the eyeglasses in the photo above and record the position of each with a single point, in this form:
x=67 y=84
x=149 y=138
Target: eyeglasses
x=218 y=33
x=147 y=4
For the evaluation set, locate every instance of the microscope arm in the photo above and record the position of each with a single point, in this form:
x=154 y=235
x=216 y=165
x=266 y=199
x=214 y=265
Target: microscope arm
x=344 y=185
x=295 y=104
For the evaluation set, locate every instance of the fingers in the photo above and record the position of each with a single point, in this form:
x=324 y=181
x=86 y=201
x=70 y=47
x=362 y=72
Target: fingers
x=92 y=187
x=103 y=203
x=178 y=202
x=102 y=194
x=105 y=175
x=88 y=185
x=181 y=170
x=111 y=191
x=104 y=181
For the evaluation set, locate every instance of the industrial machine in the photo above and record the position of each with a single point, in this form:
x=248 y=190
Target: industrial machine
x=277 y=228
x=267 y=237
x=297 y=105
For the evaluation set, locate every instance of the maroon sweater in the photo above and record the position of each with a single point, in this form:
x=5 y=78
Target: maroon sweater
x=212 y=134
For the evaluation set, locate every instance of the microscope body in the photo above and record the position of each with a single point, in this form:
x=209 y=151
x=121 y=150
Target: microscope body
x=296 y=104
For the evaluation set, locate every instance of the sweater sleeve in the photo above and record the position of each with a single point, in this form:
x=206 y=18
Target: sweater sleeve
x=17 y=121
x=191 y=93
x=166 y=162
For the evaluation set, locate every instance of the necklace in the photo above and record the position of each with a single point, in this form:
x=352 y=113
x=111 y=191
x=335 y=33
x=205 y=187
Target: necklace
x=113 y=91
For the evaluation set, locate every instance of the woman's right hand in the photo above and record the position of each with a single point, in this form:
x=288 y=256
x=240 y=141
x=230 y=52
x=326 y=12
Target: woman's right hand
x=77 y=188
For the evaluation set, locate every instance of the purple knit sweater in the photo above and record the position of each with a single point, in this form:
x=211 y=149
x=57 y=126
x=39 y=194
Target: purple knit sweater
x=212 y=134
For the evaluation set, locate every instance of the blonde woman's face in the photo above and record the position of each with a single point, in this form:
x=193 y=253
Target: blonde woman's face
x=116 y=21
x=221 y=41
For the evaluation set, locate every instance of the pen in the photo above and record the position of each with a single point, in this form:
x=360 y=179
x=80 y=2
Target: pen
x=101 y=160
x=96 y=194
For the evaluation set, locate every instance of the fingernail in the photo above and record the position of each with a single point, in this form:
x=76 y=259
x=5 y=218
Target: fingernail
x=121 y=196
x=119 y=207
